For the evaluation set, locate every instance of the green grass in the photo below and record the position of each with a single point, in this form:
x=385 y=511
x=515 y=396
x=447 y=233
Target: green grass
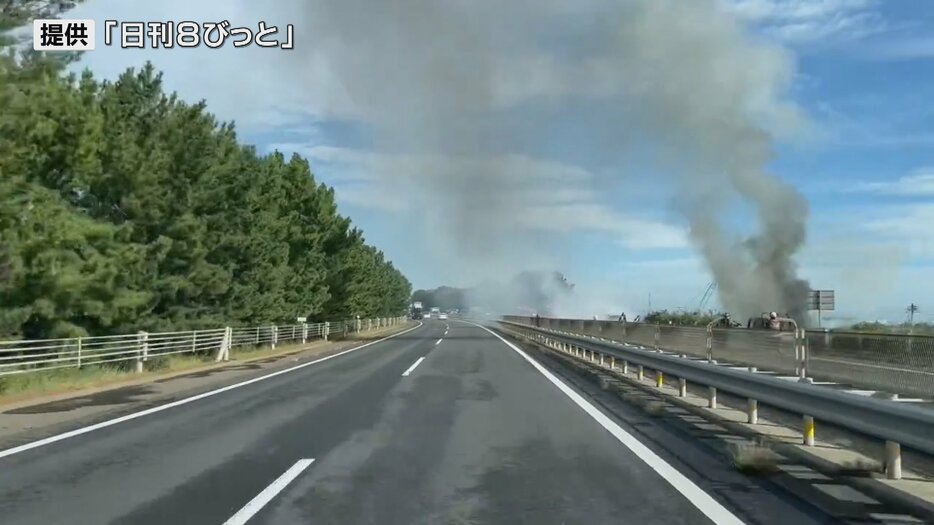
x=754 y=458
x=655 y=408
x=64 y=379
x=634 y=398
x=860 y=468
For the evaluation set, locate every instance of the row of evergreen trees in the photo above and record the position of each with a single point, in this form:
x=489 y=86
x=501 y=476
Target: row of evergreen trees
x=123 y=208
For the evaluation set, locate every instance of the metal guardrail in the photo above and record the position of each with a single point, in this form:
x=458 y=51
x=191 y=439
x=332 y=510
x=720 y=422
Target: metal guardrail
x=896 y=423
x=27 y=356
x=899 y=364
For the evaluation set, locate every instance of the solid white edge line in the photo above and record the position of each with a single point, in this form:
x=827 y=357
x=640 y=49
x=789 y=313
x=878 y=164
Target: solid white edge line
x=700 y=499
x=416 y=363
x=110 y=422
x=256 y=504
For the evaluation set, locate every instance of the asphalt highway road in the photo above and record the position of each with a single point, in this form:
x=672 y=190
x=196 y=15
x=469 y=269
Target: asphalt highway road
x=444 y=424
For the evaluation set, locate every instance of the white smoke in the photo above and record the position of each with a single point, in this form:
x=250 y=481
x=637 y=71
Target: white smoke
x=476 y=80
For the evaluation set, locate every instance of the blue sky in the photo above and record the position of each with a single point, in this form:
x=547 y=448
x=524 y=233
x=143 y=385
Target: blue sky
x=860 y=71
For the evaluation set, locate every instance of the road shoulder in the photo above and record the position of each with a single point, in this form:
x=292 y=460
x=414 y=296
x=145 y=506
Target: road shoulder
x=797 y=474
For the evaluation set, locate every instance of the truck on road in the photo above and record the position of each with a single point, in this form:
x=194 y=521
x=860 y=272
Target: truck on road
x=415 y=310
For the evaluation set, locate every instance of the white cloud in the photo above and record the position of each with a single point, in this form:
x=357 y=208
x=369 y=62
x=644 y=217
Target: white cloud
x=907 y=225
x=876 y=120
x=804 y=22
x=544 y=195
x=759 y=10
x=920 y=183
x=629 y=231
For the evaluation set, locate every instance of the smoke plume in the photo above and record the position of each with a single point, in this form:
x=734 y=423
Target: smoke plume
x=462 y=95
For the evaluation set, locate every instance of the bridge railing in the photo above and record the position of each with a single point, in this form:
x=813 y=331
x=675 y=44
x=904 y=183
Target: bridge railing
x=26 y=356
x=897 y=363
x=902 y=362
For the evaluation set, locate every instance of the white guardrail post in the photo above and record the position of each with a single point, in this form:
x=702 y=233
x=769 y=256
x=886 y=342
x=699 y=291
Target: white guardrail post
x=275 y=336
x=142 y=352
x=223 y=352
x=799 y=359
x=79 y=352
x=220 y=349
x=327 y=329
x=710 y=343
x=804 y=352
x=893 y=460
x=304 y=333
x=752 y=405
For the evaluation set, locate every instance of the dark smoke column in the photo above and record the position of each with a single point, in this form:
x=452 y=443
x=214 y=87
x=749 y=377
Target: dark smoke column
x=711 y=98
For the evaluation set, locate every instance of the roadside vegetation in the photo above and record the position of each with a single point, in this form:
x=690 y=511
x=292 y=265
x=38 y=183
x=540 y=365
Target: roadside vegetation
x=682 y=318
x=124 y=208
x=901 y=328
x=754 y=458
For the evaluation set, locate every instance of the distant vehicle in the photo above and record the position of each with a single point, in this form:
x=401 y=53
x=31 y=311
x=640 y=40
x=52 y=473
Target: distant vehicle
x=427 y=315
x=771 y=321
x=726 y=322
x=415 y=310
x=442 y=316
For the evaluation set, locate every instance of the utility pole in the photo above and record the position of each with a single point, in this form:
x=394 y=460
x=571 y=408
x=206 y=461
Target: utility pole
x=912 y=308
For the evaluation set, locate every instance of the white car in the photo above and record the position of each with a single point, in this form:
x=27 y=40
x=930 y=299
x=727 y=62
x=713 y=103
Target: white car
x=442 y=316
x=427 y=315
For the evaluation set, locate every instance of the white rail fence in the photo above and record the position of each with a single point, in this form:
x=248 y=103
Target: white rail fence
x=26 y=356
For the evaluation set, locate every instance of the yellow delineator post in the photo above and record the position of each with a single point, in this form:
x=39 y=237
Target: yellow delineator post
x=809 y=431
x=659 y=379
